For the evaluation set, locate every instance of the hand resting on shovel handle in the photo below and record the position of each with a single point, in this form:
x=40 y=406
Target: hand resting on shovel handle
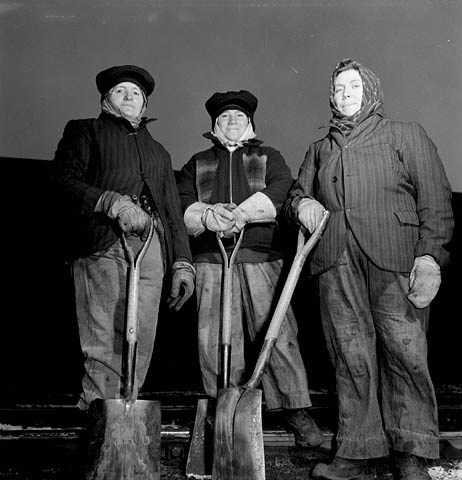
x=238 y=439
x=125 y=434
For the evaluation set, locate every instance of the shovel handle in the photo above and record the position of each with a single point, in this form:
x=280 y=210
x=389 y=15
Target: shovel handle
x=303 y=250
x=226 y=305
x=131 y=327
x=132 y=282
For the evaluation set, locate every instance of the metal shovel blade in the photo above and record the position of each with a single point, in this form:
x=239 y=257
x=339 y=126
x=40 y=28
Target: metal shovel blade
x=239 y=452
x=199 y=461
x=124 y=440
x=248 y=450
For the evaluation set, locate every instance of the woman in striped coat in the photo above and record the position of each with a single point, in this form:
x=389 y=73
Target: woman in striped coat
x=379 y=268
x=118 y=178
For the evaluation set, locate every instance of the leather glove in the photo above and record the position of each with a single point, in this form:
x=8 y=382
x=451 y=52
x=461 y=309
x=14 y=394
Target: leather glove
x=257 y=208
x=310 y=213
x=182 y=284
x=218 y=217
x=131 y=218
x=424 y=281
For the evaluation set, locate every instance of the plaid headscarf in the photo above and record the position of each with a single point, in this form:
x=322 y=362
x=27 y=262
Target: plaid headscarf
x=372 y=101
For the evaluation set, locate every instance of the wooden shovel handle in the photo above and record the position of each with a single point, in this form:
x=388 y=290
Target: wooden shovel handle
x=132 y=282
x=131 y=327
x=226 y=306
x=303 y=250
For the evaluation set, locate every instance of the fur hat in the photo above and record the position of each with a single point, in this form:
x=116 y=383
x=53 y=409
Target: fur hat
x=110 y=77
x=241 y=100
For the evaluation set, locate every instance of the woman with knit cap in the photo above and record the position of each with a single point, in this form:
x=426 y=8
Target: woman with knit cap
x=117 y=178
x=229 y=187
x=379 y=266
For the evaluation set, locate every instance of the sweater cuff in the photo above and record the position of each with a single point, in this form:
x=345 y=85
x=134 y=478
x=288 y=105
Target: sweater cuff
x=258 y=208
x=193 y=218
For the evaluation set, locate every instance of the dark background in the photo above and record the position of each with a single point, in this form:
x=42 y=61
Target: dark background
x=39 y=345
x=282 y=51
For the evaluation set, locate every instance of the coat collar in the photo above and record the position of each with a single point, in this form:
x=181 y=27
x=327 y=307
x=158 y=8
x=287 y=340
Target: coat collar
x=253 y=142
x=363 y=130
x=125 y=122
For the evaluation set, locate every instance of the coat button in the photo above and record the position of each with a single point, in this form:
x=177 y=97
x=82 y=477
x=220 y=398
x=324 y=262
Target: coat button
x=334 y=178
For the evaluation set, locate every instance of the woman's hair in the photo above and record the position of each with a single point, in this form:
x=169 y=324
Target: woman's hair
x=344 y=65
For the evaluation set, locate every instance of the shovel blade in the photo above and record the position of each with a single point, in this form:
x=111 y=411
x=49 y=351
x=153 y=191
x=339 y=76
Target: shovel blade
x=248 y=450
x=199 y=461
x=224 y=432
x=238 y=443
x=124 y=440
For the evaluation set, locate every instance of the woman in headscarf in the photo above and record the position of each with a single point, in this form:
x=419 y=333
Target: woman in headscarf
x=117 y=178
x=379 y=266
x=237 y=183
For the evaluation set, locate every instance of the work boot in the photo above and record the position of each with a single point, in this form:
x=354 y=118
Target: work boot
x=344 y=469
x=305 y=430
x=406 y=466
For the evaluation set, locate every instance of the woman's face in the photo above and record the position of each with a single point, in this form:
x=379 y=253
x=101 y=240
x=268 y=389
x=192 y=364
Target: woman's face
x=128 y=98
x=348 y=92
x=233 y=124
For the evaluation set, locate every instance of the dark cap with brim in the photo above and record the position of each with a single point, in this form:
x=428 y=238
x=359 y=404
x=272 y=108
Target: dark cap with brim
x=241 y=100
x=112 y=76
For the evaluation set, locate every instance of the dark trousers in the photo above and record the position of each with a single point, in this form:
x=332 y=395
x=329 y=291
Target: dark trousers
x=377 y=343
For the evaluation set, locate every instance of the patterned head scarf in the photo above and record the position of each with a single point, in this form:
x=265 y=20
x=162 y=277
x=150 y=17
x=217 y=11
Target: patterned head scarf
x=108 y=106
x=372 y=101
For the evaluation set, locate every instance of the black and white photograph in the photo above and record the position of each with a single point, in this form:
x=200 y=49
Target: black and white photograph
x=232 y=242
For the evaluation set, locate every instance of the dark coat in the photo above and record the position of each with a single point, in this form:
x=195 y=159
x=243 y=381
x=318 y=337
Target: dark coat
x=107 y=153
x=387 y=182
x=236 y=176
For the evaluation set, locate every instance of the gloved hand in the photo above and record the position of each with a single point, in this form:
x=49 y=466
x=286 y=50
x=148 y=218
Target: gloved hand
x=182 y=284
x=218 y=218
x=131 y=218
x=424 y=281
x=257 y=208
x=310 y=213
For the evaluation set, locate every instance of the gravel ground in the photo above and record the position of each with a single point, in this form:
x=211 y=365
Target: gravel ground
x=279 y=469
x=283 y=468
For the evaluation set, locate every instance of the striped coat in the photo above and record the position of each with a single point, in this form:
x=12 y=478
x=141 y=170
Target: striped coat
x=387 y=182
x=107 y=153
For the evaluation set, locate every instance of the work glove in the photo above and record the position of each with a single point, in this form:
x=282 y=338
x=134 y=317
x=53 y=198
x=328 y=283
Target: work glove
x=257 y=208
x=131 y=218
x=218 y=217
x=310 y=213
x=424 y=281
x=198 y=215
x=182 y=284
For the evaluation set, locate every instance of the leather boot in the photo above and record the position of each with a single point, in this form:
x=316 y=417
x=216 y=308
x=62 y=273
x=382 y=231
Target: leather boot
x=345 y=469
x=406 y=466
x=305 y=430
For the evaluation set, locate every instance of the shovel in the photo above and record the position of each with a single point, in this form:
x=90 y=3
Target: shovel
x=238 y=442
x=199 y=462
x=124 y=434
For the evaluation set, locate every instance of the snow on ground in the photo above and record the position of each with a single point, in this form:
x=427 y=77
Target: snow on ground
x=447 y=470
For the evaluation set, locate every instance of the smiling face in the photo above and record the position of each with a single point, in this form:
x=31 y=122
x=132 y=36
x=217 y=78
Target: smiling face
x=128 y=98
x=348 y=92
x=233 y=124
